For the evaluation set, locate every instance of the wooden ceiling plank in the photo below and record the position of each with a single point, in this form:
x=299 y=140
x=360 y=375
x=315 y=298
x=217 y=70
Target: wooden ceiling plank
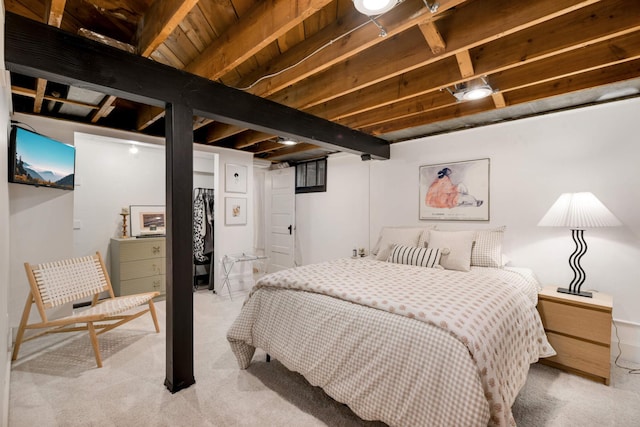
x=41 y=87
x=465 y=64
x=199 y=122
x=265 y=147
x=106 y=40
x=159 y=22
x=433 y=37
x=360 y=39
x=197 y=28
x=221 y=131
x=599 y=77
x=147 y=115
x=487 y=26
x=39 y=50
x=106 y=106
x=399 y=52
x=298 y=148
x=581 y=28
x=247 y=139
x=262 y=25
x=604 y=54
x=53 y=13
x=498 y=99
x=434 y=77
x=31 y=93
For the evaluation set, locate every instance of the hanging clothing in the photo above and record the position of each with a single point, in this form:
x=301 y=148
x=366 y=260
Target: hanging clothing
x=203 y=207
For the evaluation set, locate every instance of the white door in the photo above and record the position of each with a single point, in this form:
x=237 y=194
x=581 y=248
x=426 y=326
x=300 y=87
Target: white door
x=281 y=218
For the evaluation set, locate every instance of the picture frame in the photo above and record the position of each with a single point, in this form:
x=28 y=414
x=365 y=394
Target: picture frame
x=147 y=220
x=235 y=178
x=235 y=211
x=455 y=191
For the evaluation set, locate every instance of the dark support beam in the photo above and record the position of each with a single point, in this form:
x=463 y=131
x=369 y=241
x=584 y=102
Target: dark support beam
x=39 y=50
x=179 y=180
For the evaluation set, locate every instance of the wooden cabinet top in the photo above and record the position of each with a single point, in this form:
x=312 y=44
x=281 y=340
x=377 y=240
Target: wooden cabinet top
x=600 y=300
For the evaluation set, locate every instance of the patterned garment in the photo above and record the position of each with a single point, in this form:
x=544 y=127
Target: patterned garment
x=462 y=363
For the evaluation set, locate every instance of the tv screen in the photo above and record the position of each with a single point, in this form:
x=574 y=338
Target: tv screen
x=35 y=159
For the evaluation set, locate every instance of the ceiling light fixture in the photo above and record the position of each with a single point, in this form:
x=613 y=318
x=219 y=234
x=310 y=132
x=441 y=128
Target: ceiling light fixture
x=374 y=7
x=472 y=90
x=287 y=141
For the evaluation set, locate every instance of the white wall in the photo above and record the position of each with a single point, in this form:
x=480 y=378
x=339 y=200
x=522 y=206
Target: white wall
x=330 y=225
x=533 y=161
x=5 y=338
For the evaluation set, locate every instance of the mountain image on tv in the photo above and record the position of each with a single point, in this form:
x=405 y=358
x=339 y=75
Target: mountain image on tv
x=42 y=161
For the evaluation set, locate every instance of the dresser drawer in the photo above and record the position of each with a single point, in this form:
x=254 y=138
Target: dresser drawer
x=580 y=355
x=137 y=249
x=581 y=322
x=144 y=268
x=146 y=284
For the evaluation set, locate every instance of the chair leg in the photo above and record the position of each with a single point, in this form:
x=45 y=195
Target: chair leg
x=23 y=324
x=152 y=310
x=94 y=343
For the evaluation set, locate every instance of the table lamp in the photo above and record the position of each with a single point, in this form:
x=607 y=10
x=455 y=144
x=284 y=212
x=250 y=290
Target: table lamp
x=578 y=211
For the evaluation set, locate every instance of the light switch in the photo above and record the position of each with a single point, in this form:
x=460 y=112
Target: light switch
x=77 y=224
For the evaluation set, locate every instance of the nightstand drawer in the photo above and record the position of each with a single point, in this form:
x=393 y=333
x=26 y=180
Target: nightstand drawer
x=588 y=324
x=580 y=355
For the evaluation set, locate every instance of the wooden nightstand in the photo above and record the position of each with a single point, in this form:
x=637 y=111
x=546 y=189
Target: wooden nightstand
x=579 y=329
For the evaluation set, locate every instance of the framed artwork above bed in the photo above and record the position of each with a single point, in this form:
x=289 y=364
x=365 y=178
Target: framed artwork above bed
x=455 y=191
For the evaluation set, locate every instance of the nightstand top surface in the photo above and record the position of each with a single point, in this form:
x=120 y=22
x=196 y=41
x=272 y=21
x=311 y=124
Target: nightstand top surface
x=599 y=298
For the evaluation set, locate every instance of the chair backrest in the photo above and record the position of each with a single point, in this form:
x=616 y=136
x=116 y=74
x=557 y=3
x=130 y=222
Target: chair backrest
x=69 y=280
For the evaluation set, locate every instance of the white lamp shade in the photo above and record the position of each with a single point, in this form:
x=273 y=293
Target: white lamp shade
x=578 y=211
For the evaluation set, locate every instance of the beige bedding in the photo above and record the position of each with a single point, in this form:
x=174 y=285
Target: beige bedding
x=439 y=348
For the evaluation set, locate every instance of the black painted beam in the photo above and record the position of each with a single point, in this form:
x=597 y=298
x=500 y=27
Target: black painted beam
x=179 y=186
x=40 y=50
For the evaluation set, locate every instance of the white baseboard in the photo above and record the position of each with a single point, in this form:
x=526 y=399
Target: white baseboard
x=628 y=335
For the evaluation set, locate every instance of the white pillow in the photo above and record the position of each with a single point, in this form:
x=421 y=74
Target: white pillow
x=397 y=235
x=487 y=248
x=411 y=255
x=459 y=244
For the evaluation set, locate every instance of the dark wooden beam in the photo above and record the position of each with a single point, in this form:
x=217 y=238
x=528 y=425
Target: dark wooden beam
x=39 y=50
x=179 y=180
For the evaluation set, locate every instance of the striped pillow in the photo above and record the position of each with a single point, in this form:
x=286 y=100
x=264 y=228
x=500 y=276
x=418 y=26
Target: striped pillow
x=412 y=255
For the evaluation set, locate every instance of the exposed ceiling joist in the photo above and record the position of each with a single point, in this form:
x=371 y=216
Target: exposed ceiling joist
x=43 y=51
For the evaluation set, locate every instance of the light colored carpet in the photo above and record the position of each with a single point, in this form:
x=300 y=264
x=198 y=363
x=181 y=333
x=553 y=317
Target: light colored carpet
x=55 y=383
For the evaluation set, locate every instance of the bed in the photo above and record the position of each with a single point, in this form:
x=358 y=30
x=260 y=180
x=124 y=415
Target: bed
x=402 y=344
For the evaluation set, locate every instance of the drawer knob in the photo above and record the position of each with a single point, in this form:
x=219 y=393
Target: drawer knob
x=156 y=249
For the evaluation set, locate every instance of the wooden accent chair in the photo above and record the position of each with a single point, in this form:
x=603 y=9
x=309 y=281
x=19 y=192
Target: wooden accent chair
x=56 y=283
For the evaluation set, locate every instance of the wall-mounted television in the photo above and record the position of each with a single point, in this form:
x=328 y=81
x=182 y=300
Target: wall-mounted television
x=38 y=160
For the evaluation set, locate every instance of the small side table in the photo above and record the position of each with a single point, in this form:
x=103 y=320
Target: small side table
x=228 y=261
x=579 y=329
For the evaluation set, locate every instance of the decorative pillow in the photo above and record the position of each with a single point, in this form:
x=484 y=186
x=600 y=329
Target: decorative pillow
x=487 y=248
x=411 y=255
x=459 y=244
x=397 y=235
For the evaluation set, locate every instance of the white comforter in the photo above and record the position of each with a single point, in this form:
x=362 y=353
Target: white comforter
x=441 y=347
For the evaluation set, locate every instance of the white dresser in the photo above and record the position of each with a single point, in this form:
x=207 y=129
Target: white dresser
x=138 y=265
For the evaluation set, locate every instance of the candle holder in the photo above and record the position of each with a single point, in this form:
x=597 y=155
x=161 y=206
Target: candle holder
x=124 y=225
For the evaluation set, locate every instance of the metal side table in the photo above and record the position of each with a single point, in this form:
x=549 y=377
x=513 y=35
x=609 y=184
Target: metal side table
x=228 y=261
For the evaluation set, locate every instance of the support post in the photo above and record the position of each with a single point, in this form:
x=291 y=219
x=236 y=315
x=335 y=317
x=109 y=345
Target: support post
x=179 y=214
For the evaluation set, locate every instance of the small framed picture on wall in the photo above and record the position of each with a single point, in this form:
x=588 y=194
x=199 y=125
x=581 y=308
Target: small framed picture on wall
x=235 y=211
x=235 y=178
